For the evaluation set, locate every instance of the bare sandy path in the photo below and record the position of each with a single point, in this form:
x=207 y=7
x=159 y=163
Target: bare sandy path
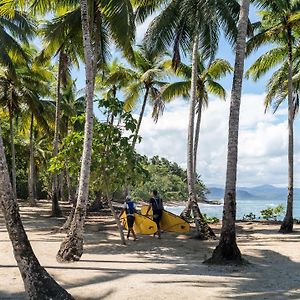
x=170 y=268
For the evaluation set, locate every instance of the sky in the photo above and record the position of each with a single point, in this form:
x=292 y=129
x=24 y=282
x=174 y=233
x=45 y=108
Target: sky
x=262 y=141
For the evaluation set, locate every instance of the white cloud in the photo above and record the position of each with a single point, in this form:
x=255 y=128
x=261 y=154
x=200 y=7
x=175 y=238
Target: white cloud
x=262 y=141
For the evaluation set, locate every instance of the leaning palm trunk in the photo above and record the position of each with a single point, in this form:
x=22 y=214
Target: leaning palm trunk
x=37 y=282
x=31 y=192
x=117 y=220
x=203 y=230
x=13 y=153
x=71 y=248
x=227 y=250
x=56 y=211
x=287 y=224
x=140 y=117
x=197 y=134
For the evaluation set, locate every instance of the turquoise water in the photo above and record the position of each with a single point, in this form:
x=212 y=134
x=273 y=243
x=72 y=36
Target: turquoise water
x=244 y=207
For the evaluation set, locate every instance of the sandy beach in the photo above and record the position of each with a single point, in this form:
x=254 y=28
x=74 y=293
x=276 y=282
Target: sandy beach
x=170 y=268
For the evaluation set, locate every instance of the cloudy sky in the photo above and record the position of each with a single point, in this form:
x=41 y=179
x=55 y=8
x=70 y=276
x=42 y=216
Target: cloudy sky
x=262 y=141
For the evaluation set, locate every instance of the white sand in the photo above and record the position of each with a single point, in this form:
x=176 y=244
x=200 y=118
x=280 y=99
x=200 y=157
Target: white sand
x=170 y=268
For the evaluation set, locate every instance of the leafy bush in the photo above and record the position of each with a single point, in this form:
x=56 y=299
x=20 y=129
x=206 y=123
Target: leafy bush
x=250 y=217
x=211 y=220
x=271 y=213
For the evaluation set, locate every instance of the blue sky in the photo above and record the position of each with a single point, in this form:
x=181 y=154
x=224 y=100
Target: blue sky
x=263 y=137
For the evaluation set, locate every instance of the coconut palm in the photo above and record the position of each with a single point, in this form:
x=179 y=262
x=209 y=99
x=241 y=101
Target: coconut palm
x=37 y=281
x=119 y=16
x=176 y=27
x=280 y=21
x=22 y=91
x=15 y=29
x=145 y=81
x=227 y=250
x=206 y=84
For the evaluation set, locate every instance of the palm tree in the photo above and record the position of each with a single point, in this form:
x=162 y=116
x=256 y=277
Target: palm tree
x=22 y=89
x=206 y=83
x=227 y=250
x=61 y=38
x=176 y=26
x=37 y=281
x=119 y=20
x=145 y=83
x=15 y=29
x=279 y=24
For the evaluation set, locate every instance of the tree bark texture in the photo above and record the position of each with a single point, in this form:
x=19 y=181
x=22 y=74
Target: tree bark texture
x=116 y=219
x=203 y=230
x=56 y=211
x=197 y=134
x=37 y=282
x=227 y=250
x=31 y=192
x=72 y=247
x=13 y=152
x=288 y=221
x=71 y=196
x=140 y=117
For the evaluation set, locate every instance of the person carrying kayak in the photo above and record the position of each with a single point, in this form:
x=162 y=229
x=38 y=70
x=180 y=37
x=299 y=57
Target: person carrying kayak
x=129 y=208
x=157 y=206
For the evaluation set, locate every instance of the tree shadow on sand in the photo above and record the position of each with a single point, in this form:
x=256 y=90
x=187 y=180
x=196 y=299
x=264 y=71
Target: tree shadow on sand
x=270 y=275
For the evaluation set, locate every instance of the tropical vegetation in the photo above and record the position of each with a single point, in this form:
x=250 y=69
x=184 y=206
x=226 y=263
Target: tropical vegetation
x=61 y=140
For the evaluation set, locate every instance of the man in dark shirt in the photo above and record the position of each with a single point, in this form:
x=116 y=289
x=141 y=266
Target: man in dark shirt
x=157 y=206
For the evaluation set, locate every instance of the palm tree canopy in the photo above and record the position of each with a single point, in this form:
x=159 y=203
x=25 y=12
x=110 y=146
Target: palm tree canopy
x=175 y=26
x=206 y=79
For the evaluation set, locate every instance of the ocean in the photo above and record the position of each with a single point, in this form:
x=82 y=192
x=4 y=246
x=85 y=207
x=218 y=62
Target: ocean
x=244 y=207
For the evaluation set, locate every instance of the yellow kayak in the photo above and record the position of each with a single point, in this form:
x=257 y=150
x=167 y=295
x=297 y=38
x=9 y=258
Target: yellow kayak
x=142 y=224
x=169 y=221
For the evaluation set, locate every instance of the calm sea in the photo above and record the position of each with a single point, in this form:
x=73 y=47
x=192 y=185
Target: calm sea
x=244 y=207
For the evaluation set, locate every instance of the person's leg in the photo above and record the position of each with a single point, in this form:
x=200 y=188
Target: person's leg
x=134 y=235
x=128 y=233
x=158 y=226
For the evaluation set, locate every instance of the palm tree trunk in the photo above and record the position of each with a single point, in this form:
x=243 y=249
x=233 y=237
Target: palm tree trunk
x=56 y=211
x=71 y=248
x=69 y=185
x=203 y=230
x=288 y=222
x=140 y=117
x=38 y=283
x=197 y=134
x=227 y=250
x=117 y=220
x=61 y=186
x=13 y=153
x=31 y=193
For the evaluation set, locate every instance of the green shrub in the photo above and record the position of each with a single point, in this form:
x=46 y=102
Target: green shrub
x=271 y=213
x=211 y=219
x=250 y=217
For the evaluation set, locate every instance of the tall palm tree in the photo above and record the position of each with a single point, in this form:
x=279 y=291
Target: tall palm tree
x=227 y=250
x=279 y=24
x=176 y=27
x=15 y=28
x=62 y=38
x=119 y=16
x=145 y=82
x=206 y=84
x=22 y=91
x=37 y=281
